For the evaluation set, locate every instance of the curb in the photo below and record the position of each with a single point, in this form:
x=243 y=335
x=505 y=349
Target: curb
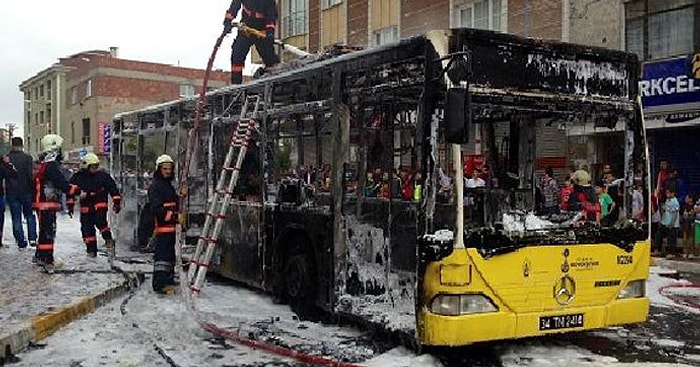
x=681 y=266
x=42 y=326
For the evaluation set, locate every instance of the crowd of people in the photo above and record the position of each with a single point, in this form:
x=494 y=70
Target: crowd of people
x=674 y=213
x=45 y=187
x=600 y=203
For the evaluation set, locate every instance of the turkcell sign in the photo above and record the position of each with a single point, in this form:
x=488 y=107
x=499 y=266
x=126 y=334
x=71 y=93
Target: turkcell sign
x=672 y=84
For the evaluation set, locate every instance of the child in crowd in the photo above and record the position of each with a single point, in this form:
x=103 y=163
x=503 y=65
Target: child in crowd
x=638 y=204
x=687 y=222
x=565 y=194
x=607 y=205
x=670 y=222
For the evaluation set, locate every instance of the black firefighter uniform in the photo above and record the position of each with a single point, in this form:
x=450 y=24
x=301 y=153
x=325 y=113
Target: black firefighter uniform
x=164 y=205
x=48 y=185
x=95 y=188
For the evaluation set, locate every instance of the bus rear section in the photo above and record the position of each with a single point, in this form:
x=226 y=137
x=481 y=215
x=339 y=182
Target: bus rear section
x=526 y=248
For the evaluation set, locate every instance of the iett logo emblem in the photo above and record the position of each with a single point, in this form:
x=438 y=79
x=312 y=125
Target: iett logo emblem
x=695 y=65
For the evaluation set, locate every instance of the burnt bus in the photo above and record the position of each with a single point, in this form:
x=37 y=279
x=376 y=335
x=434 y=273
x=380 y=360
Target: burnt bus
x=352 y=196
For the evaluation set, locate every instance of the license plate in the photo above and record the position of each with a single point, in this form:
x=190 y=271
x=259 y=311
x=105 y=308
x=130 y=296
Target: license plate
x=561 y=322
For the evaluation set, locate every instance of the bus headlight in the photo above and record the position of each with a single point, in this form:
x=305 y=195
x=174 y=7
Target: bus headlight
x=634 y=289
x=461 y=304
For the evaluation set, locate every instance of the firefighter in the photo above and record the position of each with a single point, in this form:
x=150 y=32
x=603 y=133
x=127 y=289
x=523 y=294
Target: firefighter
x=95 y=185
x=260 y=15
x=48 y=185
x=163 y=201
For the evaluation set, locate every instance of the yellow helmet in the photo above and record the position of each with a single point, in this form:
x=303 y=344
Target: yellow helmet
x=164 y=159
x=88 y=160
x=51 y=142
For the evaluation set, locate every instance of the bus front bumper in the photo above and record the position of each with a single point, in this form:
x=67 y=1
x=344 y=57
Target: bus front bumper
x=438 y=330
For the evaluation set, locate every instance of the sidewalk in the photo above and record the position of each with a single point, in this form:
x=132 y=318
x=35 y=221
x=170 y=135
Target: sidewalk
x=33 y=305
x=679 y=264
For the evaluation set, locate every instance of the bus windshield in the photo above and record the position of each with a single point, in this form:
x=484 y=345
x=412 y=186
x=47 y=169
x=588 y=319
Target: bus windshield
x=553 y=180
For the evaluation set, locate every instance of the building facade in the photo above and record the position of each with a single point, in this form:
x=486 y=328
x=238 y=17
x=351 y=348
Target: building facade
x=666 y=36
x=78 y=96
x=314 y=25
x=43 y=104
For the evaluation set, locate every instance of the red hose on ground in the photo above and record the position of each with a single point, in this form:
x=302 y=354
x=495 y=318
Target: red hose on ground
x=679 y=299
x=281 y=351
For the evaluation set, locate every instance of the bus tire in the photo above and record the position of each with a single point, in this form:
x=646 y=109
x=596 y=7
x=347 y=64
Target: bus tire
x=298 y=280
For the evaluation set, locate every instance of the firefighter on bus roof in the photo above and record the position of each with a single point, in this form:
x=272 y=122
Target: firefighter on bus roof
x=261 y=15
x=163 y=201
x=95 y=185
x=48 y=184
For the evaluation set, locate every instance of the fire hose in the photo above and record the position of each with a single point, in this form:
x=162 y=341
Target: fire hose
x=191 y=151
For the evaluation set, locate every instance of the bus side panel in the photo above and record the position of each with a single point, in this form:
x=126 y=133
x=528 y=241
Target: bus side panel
x=377 y=291
x=241 y=244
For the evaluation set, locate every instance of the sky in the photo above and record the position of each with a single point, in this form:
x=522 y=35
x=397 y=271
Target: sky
x=35 y=33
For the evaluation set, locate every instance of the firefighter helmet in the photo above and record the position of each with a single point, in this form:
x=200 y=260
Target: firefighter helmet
x=163 y=159
x=51 y=142
x=88 y=160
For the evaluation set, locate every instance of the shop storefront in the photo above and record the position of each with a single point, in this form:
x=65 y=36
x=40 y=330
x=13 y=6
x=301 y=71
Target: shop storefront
x=670 y=91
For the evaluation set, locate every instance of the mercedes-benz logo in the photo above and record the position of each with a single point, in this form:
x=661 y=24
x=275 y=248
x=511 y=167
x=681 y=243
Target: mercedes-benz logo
x=564 y=290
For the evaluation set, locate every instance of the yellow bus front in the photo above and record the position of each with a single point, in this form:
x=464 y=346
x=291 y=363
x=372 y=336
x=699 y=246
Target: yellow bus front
x=534 y=290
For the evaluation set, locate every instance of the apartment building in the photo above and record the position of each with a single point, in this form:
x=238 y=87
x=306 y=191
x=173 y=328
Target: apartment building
x=43 y=102
x=78 y=96
x=317 y=24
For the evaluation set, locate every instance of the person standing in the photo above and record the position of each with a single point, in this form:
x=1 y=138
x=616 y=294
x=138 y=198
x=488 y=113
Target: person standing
x=48 y=185
x=565 y=194
x=550 y=192
x=260 y=15
x=164 y=205
x=19 y=194
x=670 y=222
x=607 y=205
x=687 y=222
x=7 y=171
x=94 y=186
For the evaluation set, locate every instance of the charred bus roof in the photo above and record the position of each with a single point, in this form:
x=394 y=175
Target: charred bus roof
x=507 y=73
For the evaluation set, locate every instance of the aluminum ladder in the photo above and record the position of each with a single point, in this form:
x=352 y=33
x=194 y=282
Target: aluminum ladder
x=226 y=184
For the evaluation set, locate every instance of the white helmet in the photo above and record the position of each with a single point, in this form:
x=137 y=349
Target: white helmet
x=164 y=158
x=88 y=160
x=51 y=142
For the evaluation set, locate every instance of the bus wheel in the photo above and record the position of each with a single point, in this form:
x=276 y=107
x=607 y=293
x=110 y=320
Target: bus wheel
x=297 y=276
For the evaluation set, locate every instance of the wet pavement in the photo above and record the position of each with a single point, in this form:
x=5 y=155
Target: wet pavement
x=670 y=336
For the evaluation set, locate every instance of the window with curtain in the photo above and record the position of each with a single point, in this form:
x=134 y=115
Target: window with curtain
x=386 y=35
x=294 y=17
x=329 y=3
x=660 y=29
x=671 y=33
x=482 y=14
